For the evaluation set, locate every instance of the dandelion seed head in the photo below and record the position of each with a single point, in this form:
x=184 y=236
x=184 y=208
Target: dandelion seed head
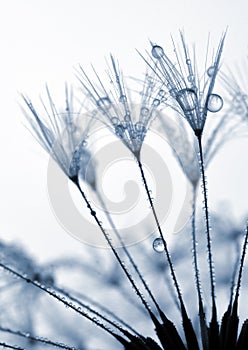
x=127 y=117
x=190 y=94
x=63 y=136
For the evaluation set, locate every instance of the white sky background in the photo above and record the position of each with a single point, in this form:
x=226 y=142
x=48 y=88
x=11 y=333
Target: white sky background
x=41 y=42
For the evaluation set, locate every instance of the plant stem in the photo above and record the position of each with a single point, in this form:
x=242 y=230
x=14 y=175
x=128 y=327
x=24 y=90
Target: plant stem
x=209 y=245
x=106 y=236
x=160 y=233
x=188 y=329
x=197 y=275
x=109 y=218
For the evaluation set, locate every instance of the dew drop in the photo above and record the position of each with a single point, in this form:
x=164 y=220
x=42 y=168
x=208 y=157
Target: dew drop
x=191 y=78
x=214 y=103
x=127 y=117
x=123 y=98
x=187 y=99
x=140 y=127
x=161 y=93
x=156 y=102
x=158 y=245
x=157 y=51
x=104 y=102
x=144 y=111
x=114 y=120
x=188 y=61
x=119 y=130
x=210 y=71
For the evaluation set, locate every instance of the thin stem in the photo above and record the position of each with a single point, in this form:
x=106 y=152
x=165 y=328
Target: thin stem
x=7 y=346
x=109 y=218
x=161 y=233
x=37 y=339
x=194 y=248
x=188 y=329
x=106 y=236
x=61 y=299
x=242 y=260
x=209 y=245
x=98 y=314
x=105 y=309
x=197 y=275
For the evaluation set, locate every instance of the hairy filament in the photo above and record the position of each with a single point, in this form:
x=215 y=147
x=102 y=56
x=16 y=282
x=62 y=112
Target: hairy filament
x=37 y=339
x=59 y=298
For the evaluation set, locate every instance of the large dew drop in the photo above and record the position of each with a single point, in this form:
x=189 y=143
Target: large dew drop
x=214 y=103
x=157 y=51
x=158 y=245
x=187 y=99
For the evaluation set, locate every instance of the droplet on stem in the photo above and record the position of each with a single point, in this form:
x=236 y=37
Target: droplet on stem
x=104 y=102
x=214 y=103
x=158 y=245
x=157 y=51
x=187 y=99
x=210 y=71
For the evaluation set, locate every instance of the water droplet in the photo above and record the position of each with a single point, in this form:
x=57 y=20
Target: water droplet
x=173 y=92
x=140 y=127
x=144 y=111
x=214 y=103
x=210 y=71
x=119 y=130
x=191 y=78
x=158 y=245
x=157 y=51
x=161 y=93
x=187 y=99
x=123 y=98
x=84 y=143
x=114 y=120
x=133 y=134
x=127 y=117
x=156 y=102
x=188 y=61
x=104 y=102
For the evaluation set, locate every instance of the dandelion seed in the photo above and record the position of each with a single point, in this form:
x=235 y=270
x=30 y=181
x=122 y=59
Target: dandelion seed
x=189 y=96
x=63 y=136
x=117 y=109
